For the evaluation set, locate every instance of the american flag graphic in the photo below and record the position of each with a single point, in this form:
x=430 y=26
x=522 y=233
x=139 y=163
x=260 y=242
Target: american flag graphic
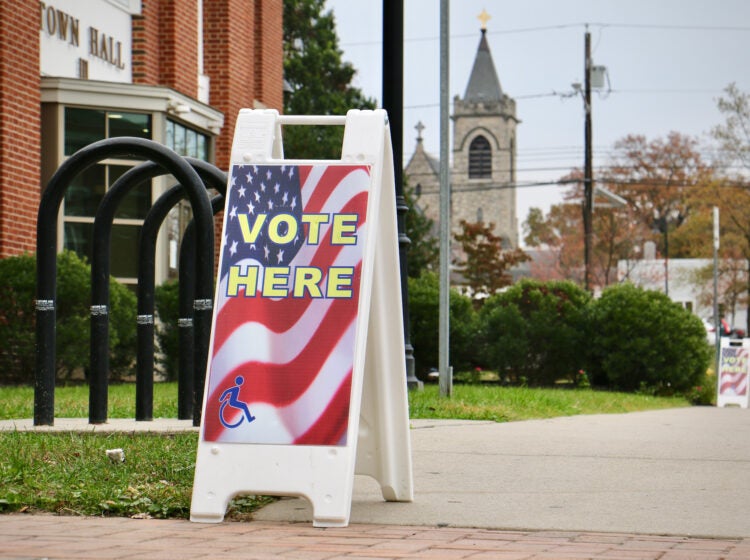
x=734 y=371
x=282 y=346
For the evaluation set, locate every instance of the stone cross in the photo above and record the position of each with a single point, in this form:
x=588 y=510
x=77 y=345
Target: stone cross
x=420 y=127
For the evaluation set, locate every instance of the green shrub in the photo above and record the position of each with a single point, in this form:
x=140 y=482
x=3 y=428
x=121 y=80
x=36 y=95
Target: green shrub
x=17 y=336
x=535 y=332
x=704 y=393
x=18 y=318
x=644 y=341
x=167 y=297
x=424 y=294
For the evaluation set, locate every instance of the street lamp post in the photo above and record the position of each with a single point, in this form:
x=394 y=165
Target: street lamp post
x=393 y=103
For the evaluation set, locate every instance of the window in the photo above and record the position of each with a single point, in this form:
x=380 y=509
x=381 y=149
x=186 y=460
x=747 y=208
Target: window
x=82 y=127
x=191 y=143
x=480 y=159
x=186 y=141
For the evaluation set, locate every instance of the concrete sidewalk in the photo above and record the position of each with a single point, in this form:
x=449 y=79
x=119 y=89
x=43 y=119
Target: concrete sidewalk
x=667 y=484
x=672 y=472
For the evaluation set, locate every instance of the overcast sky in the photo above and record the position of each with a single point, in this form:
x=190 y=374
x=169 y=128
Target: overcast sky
x=667 y=60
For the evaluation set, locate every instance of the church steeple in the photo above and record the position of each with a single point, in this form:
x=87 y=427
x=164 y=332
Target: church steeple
x=484 y=84
x=483 y=174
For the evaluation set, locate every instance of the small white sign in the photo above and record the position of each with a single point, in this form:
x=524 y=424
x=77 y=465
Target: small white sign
x=734 y=373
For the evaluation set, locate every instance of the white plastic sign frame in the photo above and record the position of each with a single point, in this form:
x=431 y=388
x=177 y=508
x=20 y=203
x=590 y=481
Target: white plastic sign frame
x=375 y=439
x=734 y=373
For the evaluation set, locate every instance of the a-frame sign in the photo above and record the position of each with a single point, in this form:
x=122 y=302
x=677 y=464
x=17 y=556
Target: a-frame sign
x=734 y=373
x=306 y=381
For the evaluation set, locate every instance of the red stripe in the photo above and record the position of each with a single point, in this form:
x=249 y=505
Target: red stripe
x=331 y=426
x=304 y=171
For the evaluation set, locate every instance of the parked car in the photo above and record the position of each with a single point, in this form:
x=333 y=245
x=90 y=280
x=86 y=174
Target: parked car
x=725 y=330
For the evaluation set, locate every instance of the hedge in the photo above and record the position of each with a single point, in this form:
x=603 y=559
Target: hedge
x=18 y=319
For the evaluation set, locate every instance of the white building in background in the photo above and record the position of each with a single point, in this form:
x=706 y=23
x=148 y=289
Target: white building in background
x=678 y=278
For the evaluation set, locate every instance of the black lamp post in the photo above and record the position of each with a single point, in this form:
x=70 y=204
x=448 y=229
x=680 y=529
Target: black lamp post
x=393 y=103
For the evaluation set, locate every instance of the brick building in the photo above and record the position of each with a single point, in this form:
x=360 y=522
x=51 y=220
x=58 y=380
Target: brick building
x=76 y=71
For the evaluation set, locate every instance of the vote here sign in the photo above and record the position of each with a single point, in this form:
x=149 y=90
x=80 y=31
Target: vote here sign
x=282 y=346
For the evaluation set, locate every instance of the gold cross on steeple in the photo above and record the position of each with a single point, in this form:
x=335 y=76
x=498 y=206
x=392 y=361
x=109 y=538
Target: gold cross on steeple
x=484 y=17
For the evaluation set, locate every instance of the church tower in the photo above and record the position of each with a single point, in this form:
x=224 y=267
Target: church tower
x=483 y=173
x=484 y=149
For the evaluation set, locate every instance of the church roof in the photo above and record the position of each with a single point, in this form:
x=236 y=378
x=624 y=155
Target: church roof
x=483 y=83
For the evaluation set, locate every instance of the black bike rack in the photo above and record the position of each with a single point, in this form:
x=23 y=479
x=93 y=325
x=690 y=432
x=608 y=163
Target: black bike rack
x=190 y=393
x=188 y=177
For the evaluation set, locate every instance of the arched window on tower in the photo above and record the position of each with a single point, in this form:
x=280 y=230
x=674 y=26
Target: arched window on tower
x=480 y=159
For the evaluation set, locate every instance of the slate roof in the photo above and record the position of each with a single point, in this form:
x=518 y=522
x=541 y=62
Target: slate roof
x=484 y=85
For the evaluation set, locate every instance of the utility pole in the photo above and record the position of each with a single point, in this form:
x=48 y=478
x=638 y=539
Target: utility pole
x=717 y=324
x=445 y=372
x=588 y=172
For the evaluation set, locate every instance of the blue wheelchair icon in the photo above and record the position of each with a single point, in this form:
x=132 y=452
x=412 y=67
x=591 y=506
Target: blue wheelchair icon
x=230 y=398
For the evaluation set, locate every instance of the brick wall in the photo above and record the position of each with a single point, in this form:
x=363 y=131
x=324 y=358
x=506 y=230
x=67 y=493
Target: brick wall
x=146 y=68
x=228 y=61
x=19 y=126
x=178 y=45
x=243 y=67
x=165 y=45
x=269 y=56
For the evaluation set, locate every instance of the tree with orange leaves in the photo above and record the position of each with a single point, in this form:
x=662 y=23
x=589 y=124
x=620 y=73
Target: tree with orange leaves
x=654 y=178
x=484 y=263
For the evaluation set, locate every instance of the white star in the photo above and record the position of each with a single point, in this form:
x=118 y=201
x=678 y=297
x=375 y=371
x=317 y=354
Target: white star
x=233 y=212
x=291 y=171
x=280 y=256
x=234 y=180
x=276 y=188
x=263 y=187
x=270 y=204
x=250 y=208
x=233 y=248
x=268 y=174
x=266 y=251
x=224 y=241
x=250 y=178
x=285 y=198
x=283 y=168
x=293 y=205
x=241 y=192
x=256 y=194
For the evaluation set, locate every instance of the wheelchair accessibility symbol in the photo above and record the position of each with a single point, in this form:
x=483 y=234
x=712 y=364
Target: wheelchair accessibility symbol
x=230 y=398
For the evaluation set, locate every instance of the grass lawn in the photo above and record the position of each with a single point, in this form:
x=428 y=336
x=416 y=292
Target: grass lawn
x=69 y=473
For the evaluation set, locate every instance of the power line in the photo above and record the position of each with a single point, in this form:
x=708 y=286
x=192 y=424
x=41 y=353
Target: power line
x=512 y=31
x=617 y=91
x=567 y=182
